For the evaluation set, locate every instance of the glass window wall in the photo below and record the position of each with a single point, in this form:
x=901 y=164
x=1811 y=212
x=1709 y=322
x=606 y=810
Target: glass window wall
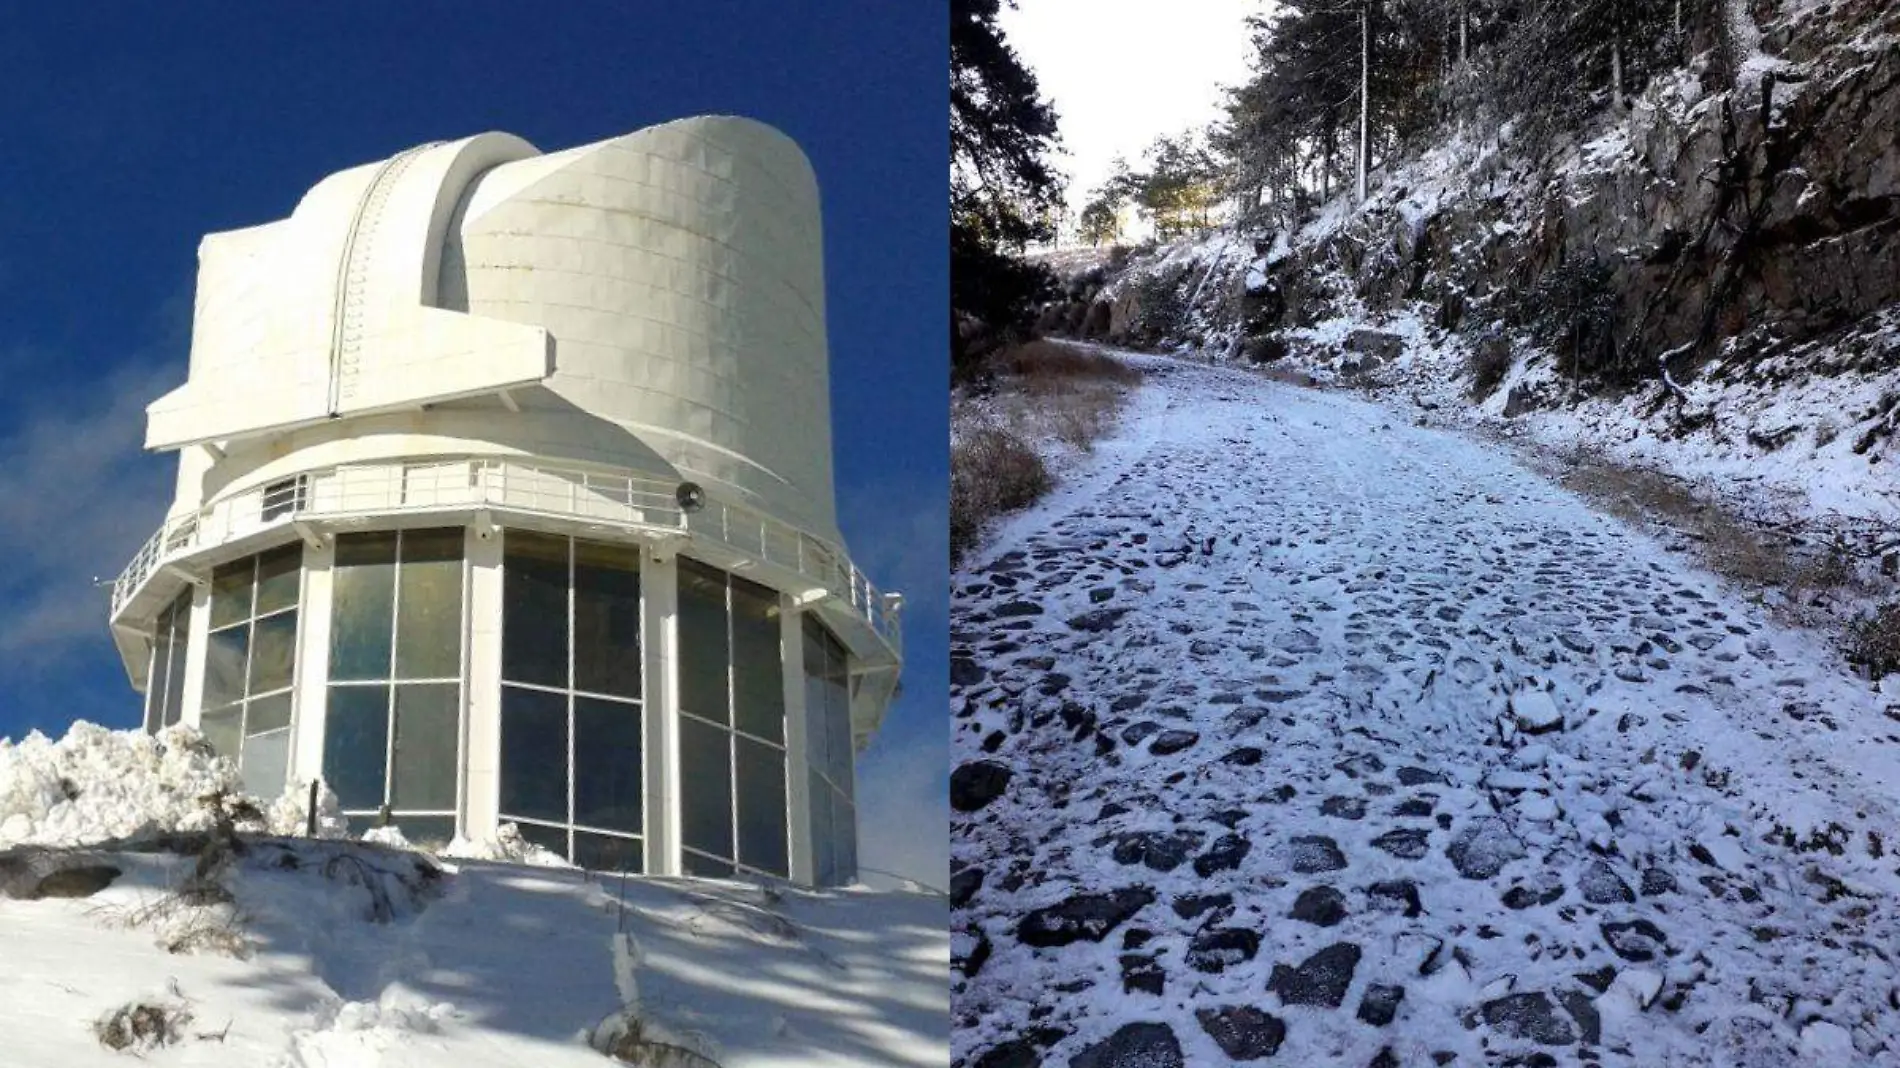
x=732 y=725
x=572 y=703
x=829 y=757
x=165 y=682
x=250 y=664
x=392 y=732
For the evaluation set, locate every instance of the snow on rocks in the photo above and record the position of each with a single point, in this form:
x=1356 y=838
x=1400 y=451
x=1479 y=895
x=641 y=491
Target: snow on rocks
x=1534 y=710
x=1428 y=796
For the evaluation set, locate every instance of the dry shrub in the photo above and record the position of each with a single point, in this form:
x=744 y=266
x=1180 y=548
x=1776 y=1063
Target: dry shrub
x=1038 y=364
x=1078 y=417
x=992 y=471
x=1070 y=392
x=141 y=1026
x=1874 y=642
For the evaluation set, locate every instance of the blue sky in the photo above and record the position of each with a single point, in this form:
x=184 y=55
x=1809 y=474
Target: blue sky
x=132 y=130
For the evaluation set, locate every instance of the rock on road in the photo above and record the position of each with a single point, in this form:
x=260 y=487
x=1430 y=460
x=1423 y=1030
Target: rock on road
x=1286 y=731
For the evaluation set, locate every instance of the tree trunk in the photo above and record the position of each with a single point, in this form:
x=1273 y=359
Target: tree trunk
x=1365 y=99
x=1616 y=69
x=1464 y=21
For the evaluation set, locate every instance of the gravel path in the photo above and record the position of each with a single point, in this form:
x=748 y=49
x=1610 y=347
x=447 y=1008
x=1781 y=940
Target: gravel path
x=1287 y=731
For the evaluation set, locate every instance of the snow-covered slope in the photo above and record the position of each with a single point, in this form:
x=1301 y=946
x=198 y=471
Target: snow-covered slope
x=351 y=955
x=1292 y=730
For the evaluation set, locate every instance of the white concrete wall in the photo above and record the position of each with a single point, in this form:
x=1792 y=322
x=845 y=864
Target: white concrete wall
x=680 y=270
x=665 y=288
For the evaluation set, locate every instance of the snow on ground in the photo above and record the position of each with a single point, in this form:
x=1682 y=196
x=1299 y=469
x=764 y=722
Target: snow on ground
x=1292 y=728
x=1814 y=401
x=489 y=964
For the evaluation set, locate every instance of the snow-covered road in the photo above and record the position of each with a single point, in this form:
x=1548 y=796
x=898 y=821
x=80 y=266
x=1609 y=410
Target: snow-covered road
x=1287 y=729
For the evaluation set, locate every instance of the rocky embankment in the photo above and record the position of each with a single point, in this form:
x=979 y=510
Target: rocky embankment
x=1734 y=228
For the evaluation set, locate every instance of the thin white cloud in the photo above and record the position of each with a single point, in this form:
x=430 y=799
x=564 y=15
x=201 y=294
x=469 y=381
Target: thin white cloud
x=77 y=497
x=900 y=537
x=904 y=807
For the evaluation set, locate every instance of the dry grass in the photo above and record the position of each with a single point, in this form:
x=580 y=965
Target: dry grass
x=1728 y=546
x=992 y=471
x=1066 y=392
x=143 y=1026
x=1042 y=364
x=1818 y=584
x=1874 y=642
x=1043 y=391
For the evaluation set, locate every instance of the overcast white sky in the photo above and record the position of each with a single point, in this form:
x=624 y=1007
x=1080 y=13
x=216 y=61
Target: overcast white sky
x=1123 y=72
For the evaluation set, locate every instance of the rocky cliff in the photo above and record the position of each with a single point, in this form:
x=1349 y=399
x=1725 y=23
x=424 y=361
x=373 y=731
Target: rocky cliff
x=1714 y=227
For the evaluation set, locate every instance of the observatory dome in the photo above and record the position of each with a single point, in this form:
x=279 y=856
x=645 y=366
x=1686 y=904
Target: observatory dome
x=562 y=420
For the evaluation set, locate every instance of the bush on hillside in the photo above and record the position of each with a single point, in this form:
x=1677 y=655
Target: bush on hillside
x=992 y=471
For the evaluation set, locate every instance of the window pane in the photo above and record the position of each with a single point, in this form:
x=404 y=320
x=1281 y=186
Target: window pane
x=824 y=859
x=268 y=714
x=429 y=611
x=703 y=655
x=607 y=764
x=220 y=728
x=607 y=619
x=265 y=759
x=231 y=592
x=838 y=730
x=224 y=666
x=762 y=807
x=428 y=729
x=355 y=737
x=273 y=651
x=155 y=684
x=552 y=839
x=817 y=694
x=431 y=832
x=533 y=754
x=704 y=868
x=534 y=609
x=604 y=852
x=844 y=833
x=705 y=787
x=361 y=603
x=175 y=674
x=277 y=574
x=758 y=669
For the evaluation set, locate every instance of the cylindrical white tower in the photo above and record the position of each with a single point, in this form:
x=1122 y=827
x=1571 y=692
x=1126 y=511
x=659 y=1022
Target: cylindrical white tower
x=505 y=496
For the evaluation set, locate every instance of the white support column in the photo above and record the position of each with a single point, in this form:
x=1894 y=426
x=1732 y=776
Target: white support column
x=659 y=581
x=199 y=630
x=313 y=662
x=481 y=778
x=797 y=727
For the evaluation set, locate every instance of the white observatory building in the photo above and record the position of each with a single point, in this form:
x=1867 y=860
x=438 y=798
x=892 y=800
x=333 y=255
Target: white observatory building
x=505 y=496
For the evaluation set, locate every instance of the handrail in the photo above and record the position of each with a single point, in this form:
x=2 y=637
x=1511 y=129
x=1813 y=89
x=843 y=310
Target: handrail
x=631 y=501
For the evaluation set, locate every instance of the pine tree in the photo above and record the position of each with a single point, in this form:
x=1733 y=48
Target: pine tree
x=1003 y=194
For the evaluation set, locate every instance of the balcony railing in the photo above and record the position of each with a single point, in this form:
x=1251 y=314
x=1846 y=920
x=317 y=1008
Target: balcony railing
x=627 y=501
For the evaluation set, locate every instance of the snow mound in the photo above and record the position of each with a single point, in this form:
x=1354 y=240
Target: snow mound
x=97 y=785
x=507 y=845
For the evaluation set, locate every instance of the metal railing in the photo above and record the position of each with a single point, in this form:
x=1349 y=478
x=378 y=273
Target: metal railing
x=628 y=501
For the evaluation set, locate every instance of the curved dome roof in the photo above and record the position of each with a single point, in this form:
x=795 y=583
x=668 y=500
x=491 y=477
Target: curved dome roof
x=666 y=284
